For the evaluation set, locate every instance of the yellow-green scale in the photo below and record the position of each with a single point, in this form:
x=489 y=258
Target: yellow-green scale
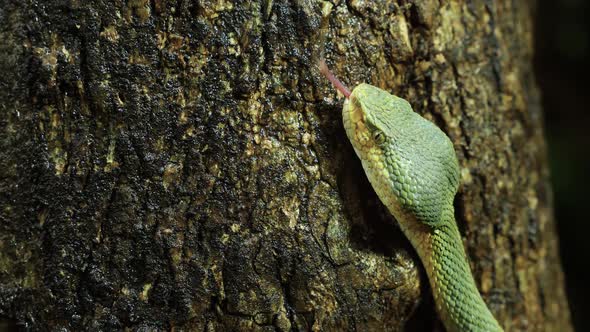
x=456 y=296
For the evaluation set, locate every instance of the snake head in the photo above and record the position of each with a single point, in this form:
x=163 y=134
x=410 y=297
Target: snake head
x=369 y=115
x=409 y=161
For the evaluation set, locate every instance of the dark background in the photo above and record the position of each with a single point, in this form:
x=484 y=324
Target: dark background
x=561 y=63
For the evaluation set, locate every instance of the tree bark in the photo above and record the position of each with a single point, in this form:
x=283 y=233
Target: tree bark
x=182 y=164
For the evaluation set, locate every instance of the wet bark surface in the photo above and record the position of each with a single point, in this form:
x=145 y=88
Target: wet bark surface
x=182 y=164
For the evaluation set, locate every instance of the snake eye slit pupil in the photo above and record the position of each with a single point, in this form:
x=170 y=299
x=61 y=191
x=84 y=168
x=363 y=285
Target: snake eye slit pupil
x=379 y=137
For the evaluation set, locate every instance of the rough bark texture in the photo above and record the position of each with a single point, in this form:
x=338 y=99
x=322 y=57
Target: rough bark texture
x=181 y=164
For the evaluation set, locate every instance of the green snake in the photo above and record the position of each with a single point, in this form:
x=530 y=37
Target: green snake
x=413 y=168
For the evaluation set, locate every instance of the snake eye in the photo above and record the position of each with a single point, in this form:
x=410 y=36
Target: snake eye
x=379 y=137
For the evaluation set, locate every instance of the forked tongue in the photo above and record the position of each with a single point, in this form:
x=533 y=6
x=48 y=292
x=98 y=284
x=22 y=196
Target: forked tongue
x=336 y=82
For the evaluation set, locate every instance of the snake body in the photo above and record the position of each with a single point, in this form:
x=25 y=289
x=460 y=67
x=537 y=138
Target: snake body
x=413 y=168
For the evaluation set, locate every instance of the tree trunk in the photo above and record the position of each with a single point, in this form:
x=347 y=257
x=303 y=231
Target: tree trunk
x=182 y=164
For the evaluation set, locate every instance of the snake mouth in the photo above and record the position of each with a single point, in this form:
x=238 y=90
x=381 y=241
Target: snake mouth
x=355 y=126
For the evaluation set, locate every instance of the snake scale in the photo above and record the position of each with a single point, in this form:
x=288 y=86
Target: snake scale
x=413 y=168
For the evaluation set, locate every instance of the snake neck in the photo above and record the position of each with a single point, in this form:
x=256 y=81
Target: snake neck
x=456 y=296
